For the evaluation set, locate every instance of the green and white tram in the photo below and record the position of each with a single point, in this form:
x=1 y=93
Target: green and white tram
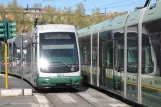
x=123 y=55
x=52 y=58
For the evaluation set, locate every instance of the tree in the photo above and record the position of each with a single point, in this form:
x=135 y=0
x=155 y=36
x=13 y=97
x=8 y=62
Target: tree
x=97 y=16
x=36 y=5
x=79 y=20
x=13 y=4
x=47 y=15
x=50 y=15
x=2 y=11
x=18 y=14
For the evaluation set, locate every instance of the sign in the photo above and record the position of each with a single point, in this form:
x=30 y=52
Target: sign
x=57 y=36
x=18 y=40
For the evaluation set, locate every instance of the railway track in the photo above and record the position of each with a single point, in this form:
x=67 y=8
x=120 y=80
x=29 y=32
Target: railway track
x=74 y=98
x=72 y=102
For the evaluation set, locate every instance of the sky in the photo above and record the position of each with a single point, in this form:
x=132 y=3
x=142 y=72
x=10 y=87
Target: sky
x=110 y=5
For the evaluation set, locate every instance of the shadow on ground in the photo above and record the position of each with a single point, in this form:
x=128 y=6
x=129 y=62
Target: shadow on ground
x=63 y=89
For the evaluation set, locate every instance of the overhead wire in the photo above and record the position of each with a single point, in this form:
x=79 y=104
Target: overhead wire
x=110 y=4
x=78 y=3
x=130 y=4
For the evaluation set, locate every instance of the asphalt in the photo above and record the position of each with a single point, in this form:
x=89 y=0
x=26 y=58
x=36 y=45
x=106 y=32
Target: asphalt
x=13 y=82
x=17 y=101
x=87 y=97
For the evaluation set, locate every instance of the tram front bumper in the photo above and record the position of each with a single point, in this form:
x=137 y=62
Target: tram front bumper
x=49 y=82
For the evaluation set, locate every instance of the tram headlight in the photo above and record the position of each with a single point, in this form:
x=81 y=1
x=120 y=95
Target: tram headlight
x=43 y=64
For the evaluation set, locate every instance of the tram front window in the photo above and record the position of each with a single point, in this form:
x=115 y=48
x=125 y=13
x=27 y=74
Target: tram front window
x=58 y=52
x=67 y=54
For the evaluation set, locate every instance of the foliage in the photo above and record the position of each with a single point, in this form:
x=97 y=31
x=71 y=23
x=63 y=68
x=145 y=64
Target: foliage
x=53 y=15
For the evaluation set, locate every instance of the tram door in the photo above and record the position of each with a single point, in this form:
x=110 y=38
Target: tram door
x=118 y=63
x=103 y=55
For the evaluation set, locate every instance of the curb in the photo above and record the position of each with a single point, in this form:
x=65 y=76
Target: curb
x=15 y=92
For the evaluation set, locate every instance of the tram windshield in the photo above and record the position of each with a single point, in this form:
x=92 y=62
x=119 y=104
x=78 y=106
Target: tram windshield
x=59 y=48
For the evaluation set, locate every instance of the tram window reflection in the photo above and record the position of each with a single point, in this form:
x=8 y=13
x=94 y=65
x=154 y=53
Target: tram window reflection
x=132 y=52
x=86 y=51
x=151 y=55
x=109 y=59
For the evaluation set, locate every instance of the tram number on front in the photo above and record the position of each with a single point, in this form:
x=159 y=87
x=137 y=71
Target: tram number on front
x=60 y=74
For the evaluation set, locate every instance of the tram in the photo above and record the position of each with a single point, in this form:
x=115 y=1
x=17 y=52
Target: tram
x=51 y=58
x=123 y=55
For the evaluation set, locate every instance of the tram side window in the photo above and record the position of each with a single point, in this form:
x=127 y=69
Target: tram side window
x=151 y=58
x=86 y=55
x=81 y=54
x=109 y=58
x=152 y=48
x=94 y=55
x=132 y=55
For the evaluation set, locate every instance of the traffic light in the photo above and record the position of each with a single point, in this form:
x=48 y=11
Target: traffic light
x=7 y=30
x=3 y=30
x=11 y=30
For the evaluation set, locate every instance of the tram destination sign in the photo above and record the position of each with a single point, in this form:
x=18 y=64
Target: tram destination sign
x=57 y=36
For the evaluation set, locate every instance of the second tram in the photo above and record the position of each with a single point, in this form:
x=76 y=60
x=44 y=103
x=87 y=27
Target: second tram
x=123 y=55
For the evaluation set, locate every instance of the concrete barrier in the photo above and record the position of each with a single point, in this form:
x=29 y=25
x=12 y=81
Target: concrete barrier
x=15 y=92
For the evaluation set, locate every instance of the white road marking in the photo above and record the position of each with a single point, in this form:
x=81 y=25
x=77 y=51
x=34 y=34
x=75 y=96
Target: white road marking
x=32 y=104
x=88 y=97
x=66 y=98
x=44 y=105
x=119 y=105
x=2 y=75
x=43 y=102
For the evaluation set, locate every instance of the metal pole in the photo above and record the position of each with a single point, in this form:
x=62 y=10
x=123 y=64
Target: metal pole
x=125 y=60
x=12 y=57
x=91 y=74
x=22 y=63
x=98 y=67
x=0 y=59
x=140 y=56
x=8 y=55
x=6 y=67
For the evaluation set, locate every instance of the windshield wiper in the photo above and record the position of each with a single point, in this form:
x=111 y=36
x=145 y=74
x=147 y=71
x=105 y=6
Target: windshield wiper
x=62 y=63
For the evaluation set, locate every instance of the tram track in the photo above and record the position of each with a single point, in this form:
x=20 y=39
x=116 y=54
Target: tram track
x=50 y=99
x=53 y=97
x=85 y=100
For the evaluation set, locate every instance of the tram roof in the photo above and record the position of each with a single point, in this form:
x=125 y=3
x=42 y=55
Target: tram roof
x=151 y=13
x=111 y=24
x=55 y=28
